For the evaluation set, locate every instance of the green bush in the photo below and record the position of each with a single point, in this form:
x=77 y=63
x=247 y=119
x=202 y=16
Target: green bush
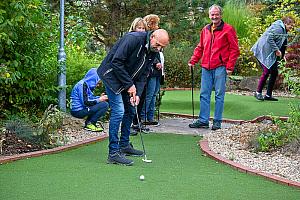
x=22 y=127
x=176 y=65
x=287 y=132
x=49 y=126
x=27 y=55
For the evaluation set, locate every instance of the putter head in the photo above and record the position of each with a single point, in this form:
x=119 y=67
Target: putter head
x=146 y=160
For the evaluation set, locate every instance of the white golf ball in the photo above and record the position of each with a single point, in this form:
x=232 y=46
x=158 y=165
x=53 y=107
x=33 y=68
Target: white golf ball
x=142 y=177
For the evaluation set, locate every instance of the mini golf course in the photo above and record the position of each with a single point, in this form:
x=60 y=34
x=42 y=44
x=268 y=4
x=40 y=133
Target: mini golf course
x=178 y=171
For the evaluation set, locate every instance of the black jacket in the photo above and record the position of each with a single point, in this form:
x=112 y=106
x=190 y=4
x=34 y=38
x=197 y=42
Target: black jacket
x=154 y=72
x=127 y=63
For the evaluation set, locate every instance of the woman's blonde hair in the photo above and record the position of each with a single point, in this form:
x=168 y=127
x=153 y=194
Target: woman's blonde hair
x=136 y=22
x=152 y=22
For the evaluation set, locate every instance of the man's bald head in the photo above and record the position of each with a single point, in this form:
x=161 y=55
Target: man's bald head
x=159 y=39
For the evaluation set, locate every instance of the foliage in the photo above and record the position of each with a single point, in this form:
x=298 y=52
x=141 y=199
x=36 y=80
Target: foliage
x=111 y=19
x=22 y=127
x=49 y=125
x=287 y=132
x=27 y=55
x=236 y=14
x=177 y=70
x=43 y=132
x=291 y=78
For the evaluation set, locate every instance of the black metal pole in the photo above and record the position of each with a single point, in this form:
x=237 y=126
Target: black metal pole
x=193 y=107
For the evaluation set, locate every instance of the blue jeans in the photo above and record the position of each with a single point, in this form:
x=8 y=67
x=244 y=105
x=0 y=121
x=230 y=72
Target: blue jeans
x=93 y=113
x=210 y=78
x=121 y=113
x=152 y=89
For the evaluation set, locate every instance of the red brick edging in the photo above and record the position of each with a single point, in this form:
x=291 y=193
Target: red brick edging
x=205 y=148
x=6 y=159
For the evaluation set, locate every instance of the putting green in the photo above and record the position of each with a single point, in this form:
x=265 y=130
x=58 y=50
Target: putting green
x=235 y=106
x=178 y=171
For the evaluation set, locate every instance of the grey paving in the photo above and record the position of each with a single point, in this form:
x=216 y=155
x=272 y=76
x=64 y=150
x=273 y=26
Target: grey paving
x=179 y=125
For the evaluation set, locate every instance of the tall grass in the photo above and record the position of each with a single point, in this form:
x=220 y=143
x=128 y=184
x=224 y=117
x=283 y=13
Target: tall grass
x=236 y=13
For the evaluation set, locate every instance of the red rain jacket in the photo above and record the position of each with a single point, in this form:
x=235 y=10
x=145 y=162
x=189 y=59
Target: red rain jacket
x=217 y=49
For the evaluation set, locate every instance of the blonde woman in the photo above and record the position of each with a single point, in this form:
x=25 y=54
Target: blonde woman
x=138 y=25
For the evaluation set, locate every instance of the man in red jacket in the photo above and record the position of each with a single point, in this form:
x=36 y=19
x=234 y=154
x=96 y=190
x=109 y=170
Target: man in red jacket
x=218 y=51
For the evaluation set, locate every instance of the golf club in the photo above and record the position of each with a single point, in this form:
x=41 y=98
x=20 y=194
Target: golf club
x=193 y=108
x=140 y=131
x=158 y=106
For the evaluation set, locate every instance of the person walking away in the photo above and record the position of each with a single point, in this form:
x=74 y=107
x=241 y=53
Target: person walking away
x=269 y=50
x=124 y=73
x=218 y=51
x=85 y=104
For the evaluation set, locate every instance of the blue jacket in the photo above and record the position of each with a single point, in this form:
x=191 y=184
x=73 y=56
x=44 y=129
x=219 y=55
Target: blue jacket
x=128 y=63
x=91 y=80
x=270 y=41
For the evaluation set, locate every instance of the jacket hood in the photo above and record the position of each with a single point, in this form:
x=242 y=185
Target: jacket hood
x=91 y=78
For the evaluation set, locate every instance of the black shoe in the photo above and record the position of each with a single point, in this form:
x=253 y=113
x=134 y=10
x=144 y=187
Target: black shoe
x=198 y=124
x=130 y=151
x=258 y=96
x=270 y=98
x=216 y=125
x=119 y=158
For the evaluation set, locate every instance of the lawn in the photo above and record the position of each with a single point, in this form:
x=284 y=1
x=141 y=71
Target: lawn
x=178 y=171
x=235 y=107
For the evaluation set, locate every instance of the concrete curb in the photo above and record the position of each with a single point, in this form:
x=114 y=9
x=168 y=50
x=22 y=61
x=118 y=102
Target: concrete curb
x=6 y=159
x=205 y=148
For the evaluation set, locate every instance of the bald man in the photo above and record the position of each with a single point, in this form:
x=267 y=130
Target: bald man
x=124 y=73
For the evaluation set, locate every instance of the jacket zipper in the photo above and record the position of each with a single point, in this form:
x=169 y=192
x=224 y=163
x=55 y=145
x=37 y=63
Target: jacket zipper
x=137 y=55
x=211 y=41
x=139 y=68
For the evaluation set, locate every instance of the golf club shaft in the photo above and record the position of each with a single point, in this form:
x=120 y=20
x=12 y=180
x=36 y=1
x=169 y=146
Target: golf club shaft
x=193 y=107
x=140 y=130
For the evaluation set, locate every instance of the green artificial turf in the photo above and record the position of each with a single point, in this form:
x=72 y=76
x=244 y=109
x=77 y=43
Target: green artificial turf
x=178 y=171
x=235 y=107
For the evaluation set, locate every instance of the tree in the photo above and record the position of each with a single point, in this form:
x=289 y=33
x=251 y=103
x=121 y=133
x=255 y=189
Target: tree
x=112 y=18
